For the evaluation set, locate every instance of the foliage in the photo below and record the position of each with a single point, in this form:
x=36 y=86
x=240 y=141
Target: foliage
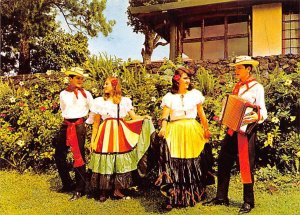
x=102 y=66
x=21 y=21
x=26 y=22
x=59 y=49
x=279 y=138
x=30 y=117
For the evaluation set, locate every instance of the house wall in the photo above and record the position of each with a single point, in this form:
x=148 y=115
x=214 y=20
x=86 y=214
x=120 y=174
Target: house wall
x=267 y=29
x=192 y=50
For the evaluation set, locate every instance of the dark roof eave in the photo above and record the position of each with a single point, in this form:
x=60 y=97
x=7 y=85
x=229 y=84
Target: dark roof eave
x=176 y=5
x=159 y=8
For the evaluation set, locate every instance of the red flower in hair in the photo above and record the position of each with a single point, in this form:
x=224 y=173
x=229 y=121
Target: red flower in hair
x=43 y=108
x=176 y=77
x=114 y=82
x=10 y=128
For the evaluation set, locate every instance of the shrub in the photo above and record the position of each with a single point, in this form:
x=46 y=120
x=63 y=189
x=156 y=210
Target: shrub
x=279 y=139
x=30 y=115
x=29 y=120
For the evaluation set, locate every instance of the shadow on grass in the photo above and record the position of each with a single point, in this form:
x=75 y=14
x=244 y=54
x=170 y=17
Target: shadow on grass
x=151 y=199
x=54 y=183
x=235 y=204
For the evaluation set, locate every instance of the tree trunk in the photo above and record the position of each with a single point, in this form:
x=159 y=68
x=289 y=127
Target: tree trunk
x=24 y=59
x=298 y=116
x=149 y=47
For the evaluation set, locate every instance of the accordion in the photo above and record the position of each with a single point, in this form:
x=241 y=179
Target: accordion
x=234 y=111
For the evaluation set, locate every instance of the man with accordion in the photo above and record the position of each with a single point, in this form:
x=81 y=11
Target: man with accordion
x=244 y=109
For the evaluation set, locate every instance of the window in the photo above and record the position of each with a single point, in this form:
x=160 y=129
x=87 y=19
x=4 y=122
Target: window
x=291 y=33
x=218 y=37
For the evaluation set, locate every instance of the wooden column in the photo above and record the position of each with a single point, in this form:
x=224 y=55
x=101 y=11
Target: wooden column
x=179 y=49
x=173 y=41
x=226 y=37
x=202 y=39
x=249 y=36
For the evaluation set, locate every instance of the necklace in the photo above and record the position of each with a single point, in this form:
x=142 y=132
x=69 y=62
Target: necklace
x=182 y=102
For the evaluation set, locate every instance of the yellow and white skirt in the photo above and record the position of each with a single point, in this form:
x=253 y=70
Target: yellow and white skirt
x=185 y=138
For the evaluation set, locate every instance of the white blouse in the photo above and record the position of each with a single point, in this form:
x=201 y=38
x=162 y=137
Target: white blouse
x=183 y=106
x=107 y=109
x=71 y=107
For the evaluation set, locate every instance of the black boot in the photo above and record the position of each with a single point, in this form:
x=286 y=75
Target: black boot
x=246 y=208
x=67 y=188
x=76 y=196
x=217 y=201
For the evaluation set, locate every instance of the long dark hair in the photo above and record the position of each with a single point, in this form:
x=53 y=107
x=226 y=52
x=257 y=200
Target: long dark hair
x=178 y=72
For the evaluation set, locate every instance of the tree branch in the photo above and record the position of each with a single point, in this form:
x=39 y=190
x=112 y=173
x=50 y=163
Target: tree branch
x=161 y=44
x=64 y=15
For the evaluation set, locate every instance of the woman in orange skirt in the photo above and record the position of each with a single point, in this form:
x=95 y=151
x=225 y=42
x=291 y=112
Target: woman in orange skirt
x=117 y=145
x=185 y=156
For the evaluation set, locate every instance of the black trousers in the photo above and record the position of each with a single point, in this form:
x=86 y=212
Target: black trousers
x=61 y=151
x=228 y=155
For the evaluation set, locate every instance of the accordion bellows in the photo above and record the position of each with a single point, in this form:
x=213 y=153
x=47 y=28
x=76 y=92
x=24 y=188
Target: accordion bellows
x=235 y=110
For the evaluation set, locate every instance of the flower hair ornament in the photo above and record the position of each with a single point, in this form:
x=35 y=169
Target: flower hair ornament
x=176 y=78
x=114 y=82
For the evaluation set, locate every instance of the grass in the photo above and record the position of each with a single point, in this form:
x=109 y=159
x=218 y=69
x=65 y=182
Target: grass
x=35 y=194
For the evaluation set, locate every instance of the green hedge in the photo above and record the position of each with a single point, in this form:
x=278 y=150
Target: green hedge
x=30 y=115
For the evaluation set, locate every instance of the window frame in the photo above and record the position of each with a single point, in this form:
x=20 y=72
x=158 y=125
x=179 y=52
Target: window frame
x=245 y=17
x=288 y=50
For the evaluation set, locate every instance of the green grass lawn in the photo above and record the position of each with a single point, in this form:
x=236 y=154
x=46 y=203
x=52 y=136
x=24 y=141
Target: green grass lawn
x=36 y=194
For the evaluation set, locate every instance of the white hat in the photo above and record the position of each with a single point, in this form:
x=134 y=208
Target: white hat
x=76 y=71
x=240 y=60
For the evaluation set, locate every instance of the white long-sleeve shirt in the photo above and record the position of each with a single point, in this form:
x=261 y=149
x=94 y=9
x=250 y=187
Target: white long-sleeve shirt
x=255 y=95
x=71 y=107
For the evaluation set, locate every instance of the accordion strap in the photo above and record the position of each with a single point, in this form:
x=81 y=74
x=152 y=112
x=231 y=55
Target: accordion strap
x=250 y=128
x=248 y=88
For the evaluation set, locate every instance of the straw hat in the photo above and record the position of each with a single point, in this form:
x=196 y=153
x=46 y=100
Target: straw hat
x=240 y=60
x=76 y=71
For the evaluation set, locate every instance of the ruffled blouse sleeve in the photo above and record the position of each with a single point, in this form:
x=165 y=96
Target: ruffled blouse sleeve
x=127 y=104
x=167 y=101
x=97 y=106
x=198 y=97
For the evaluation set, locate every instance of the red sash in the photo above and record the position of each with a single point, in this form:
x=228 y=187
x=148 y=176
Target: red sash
x=74 y=89
x=243 y=143
x=72 y=141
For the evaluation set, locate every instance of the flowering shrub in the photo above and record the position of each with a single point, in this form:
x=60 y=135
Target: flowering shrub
x=30 y=115
x=29 y=119
x=279 y=137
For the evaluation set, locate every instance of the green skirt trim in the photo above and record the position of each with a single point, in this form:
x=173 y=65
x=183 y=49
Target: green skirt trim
x=125 y=162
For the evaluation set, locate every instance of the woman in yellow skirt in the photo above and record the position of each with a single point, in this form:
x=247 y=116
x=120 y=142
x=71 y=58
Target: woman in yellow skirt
x=117 y=145
x=185 y=157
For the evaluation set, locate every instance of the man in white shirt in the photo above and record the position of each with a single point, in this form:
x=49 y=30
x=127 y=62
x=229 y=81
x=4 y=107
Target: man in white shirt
x=239 y=145
x=75 y=103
